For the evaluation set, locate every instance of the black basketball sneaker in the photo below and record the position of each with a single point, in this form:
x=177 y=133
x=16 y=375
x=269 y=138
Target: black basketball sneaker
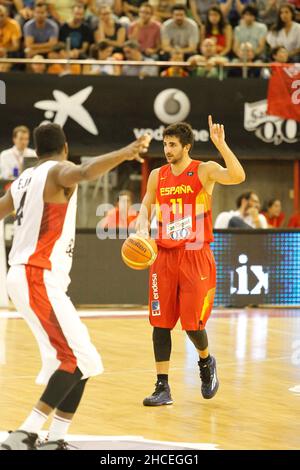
x=208 y=375
x=160 y=396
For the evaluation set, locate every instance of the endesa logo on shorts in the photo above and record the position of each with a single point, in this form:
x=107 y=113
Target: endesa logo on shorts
x=155 y=306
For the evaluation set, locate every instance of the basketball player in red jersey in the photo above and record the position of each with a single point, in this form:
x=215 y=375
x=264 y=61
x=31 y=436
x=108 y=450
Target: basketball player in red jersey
x=183 y=278
x=44 y=199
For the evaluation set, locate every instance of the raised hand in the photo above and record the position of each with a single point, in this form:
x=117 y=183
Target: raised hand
x=138 y=147
x=216 y=132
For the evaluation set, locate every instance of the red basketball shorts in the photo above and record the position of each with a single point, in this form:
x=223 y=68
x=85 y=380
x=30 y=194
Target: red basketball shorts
x=182 y=284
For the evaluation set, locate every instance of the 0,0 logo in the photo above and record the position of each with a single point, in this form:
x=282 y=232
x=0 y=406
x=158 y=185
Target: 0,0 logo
x=172 y=105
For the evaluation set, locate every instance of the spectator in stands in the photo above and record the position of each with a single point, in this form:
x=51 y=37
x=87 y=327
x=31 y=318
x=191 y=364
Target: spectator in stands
x=180 y=32
x=77 y=32
x=273 y=213
x=232 y=10
x=294 y=221
x=286 y=32
x=11 y=160
x=104 y=51
x=37 y=66
x=123 y=215
x=279 y=55
x=268 y=11
x=246 y=216
x=40 y=33
x=217 y=28
x=60 y=51
x=251 y=31
x=25 y=9
x=131 y=8
x=175 y=70
x=95 y=5
x=61 y=10
x=206 y=64
x=163 y=9
x=10 y=34
x=199 y=9
x=109 y=29
x=245 y=54
x=132 y=52
x=146 y=31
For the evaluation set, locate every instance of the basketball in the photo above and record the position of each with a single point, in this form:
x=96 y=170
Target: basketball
x=138 y=252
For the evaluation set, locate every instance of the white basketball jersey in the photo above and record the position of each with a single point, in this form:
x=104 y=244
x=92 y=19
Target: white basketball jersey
x=44 y=233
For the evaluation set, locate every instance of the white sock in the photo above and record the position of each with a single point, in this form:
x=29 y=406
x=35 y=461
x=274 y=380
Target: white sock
x=34 y=422
x=59 y=428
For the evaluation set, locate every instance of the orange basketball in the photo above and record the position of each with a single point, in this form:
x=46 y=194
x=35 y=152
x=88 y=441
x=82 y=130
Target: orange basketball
x=138 y=252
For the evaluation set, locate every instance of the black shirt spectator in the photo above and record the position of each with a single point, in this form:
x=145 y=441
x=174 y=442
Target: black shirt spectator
x=79 y=33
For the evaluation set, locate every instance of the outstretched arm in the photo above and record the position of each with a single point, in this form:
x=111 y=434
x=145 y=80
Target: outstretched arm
x=234 y=172
x=67 y=175
x=6 y=205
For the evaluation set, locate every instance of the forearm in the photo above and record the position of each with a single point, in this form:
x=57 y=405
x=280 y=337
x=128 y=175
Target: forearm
x=96 y=166
x=233 y=165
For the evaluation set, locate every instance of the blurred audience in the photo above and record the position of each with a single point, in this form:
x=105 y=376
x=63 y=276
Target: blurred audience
x=246 y=216
x=180 y=32
x=109 y=29
x=246 y=53
x=175 y=70
x=12 y=159
x=60 y=52
x=77 y=33
x=294 y=221
x=286 y=32
x=273 y=213
x=123 y=214
x=10 y=33
x=146 y=31
x=250 y=31
x=206 y=64
x=103 y=51
x=217 y=28
x=132 y=52
x=40 y=33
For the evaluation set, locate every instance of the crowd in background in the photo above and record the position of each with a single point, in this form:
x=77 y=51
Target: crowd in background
x=206 y=33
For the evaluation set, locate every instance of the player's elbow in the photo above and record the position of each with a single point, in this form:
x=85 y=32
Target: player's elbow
x=239 y=177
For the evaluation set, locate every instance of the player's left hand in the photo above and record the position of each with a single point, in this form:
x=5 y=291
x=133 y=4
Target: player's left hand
x=216 y=132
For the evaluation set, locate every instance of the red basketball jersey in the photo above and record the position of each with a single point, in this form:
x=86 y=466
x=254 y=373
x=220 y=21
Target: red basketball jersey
x=183 y=208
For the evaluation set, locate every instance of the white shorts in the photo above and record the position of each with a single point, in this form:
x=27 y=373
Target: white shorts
x=63 y=340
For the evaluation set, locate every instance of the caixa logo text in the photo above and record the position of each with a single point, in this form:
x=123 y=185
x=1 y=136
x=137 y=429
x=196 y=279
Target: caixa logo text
x=2 y=92
x=249 y=279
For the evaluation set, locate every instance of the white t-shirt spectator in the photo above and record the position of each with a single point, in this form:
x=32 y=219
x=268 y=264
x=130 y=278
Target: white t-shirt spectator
x=11 y=161
x=223 y=219
x=290 y=41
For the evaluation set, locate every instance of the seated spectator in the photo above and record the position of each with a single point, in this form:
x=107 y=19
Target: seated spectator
x=217 y=28
x=146 y=31
x=60 y=52
x=180 y=32
x=132 y=52
x=294 y=221
x=286 y=32
x=25 y=10
x=279 y=55
x=95 y=5
x=40 y=33
x=208 y=61
x=79 y=34
x=11 y=160
x=123 y=214
x=10 y=34
x=246 y=216
x=175 y=70
x=232 y=10
x=200 y=8
x=109 y=29
x=104 y=51
x=131 y=8
x=249 y=30
x=61 y=10
x=163 y=9
x=246 y=54
x=37 y=66
x=273 y=214
x=267 y=11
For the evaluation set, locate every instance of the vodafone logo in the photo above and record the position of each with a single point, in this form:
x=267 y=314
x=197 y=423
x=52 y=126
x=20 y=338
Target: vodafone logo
x=172 y=105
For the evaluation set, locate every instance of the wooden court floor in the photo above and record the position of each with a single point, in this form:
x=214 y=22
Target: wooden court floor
x=257 y=405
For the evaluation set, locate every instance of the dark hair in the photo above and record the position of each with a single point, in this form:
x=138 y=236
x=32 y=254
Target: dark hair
x=183 y=131
x=41 y=4
x=242 y=196
x=147 y=5
x=220 y=26
x=132 y=44
x=49 y=140
x=251 y=9
x=271 y=202
x=102 y=45
x=179 y=6
x=279 y=23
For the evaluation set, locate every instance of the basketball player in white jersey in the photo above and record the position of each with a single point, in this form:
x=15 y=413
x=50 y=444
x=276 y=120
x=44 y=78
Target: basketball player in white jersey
x=44 y=201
